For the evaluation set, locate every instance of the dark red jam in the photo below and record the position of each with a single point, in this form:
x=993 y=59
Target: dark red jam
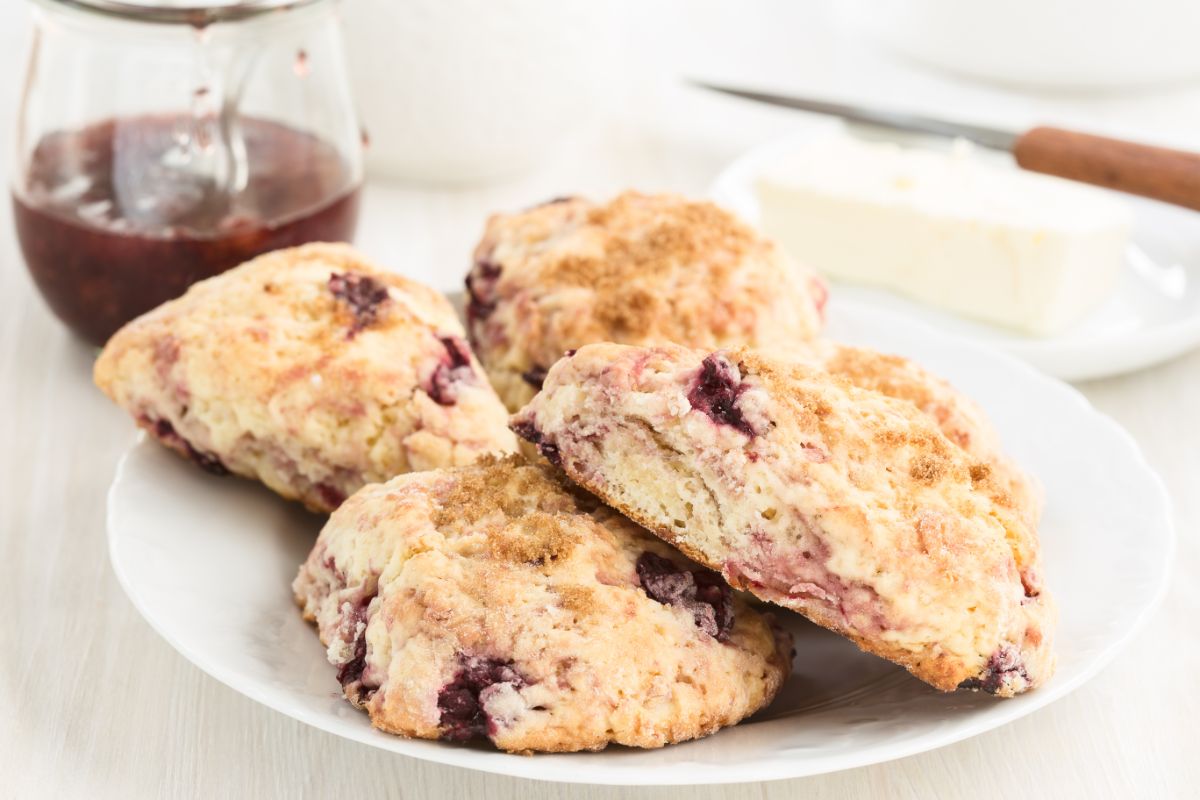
x=118 y=217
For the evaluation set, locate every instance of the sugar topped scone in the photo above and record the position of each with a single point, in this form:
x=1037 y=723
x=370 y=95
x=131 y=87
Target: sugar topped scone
x=641 y=269
x=957 y=416
x=311 y=370
x=839 y=502
x=494 y=602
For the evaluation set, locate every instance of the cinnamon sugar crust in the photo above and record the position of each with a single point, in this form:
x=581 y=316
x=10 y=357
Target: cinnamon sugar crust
x=310 y=369
x=640 y=269
x=523 y=620
x=1015 y=494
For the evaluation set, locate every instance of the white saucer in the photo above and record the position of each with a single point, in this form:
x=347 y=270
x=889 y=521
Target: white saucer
x=1153 y=315
x=208 y=561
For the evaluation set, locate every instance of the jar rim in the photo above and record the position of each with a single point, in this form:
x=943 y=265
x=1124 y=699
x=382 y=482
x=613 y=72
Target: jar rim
x=196 y=14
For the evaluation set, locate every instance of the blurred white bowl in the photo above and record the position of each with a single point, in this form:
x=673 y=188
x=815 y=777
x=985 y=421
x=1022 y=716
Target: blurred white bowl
x=464 y=91
x=1064 y=44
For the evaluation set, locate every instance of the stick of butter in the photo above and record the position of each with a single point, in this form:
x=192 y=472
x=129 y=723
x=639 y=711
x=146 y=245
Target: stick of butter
x=1027 y=251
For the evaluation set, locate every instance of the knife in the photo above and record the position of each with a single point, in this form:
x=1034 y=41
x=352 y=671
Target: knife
x=1160 y=173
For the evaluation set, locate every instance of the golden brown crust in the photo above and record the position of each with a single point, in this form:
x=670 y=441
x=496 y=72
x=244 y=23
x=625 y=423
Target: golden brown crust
x=1016 y=495
x=536 y=586
x=640 y=269
x=310 y=369
x=651 y=241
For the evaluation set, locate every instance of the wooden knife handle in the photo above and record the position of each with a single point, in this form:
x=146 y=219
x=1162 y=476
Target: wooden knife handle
x=1160 y=173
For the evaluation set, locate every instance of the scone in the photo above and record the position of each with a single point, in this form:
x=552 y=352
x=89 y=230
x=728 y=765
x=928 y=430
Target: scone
x=641 y=269
x=956 y=415
x=311 y=370
x=844 y=504
x=493 y=602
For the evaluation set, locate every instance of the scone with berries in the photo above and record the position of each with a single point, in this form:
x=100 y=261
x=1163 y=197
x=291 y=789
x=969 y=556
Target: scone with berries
x=641 y=269
x=839 y=502
x=311 y=370
x=492 y=602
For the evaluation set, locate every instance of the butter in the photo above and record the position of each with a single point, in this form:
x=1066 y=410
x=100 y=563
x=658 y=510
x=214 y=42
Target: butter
x=1027 y=251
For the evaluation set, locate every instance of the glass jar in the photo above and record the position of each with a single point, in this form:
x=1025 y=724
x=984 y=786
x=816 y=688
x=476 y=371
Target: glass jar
x=161 y=144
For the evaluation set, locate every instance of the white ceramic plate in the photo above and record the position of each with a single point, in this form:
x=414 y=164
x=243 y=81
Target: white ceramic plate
x=1153 y=315
x=208 y=561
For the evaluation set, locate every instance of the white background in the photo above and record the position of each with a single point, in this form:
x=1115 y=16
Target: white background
x=93 y=704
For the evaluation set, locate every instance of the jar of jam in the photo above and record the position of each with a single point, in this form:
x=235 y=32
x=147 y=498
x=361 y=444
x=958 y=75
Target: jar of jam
x=160 y=144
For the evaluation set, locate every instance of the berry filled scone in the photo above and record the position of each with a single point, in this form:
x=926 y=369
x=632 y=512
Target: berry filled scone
x=642 y=269
x=493 y=602
x=311 y=370
x=841 y=503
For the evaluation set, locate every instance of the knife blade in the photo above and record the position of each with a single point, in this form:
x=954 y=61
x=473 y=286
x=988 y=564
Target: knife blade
x=1160 y=173
x=988 y=137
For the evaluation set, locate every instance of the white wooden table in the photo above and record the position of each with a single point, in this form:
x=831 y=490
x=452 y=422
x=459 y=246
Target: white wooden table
x=93 y=704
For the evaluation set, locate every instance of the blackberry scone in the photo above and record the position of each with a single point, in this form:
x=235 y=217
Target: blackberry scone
x=311 y=370
x=842 y=503
x=641 y=269
x=493 y=602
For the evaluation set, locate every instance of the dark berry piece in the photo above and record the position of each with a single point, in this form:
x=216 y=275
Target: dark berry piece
x=530 y=433
x=457 y=351
x=352 y=670
x=462 y=714
x=535 y=377
x=207 y=462
x=454 y=369
x=461 y=719
x=487 y=269
x=1004 y=662
x=716 y=599
x=330 y=495
x=350 y=674
x=716 y=393
x=701 y=591
x=549 y=451
x=362 y=293
x=165 y=432
x=527 y=431
x=481 y=287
